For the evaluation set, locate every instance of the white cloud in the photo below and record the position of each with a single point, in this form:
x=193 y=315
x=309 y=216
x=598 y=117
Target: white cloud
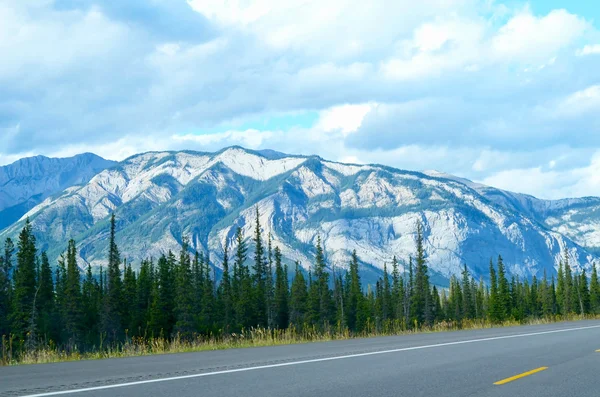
x=551 y=184
x=344 y=118
x=528 y=38
x=590 y=49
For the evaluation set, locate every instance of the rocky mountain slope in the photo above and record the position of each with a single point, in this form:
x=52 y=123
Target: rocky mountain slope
x=576 y=218
x=159 y=197
x=27 y=182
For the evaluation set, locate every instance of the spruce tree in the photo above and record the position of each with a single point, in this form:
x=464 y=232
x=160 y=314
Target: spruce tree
x=421 y=305
x=224 y=292
x=281 y=293
x=91 y=301
x=594 y=291
x=494 y=301
x=560 y=289
x=129 y=296
x=72 y=306
x=320 y=294
x=6 y=289
x=354 y=300
x=45 y=302
x=184 y=295
x=503 y=291
x=260 y=277
x=25 y=277
x=244 y=302
x=143 y=299
x=113 y=296
x=162 y=310
x=298 y=298
x=468 y=308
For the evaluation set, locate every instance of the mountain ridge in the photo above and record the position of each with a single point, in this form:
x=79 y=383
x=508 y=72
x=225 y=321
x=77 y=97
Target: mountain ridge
x=159 y=196
x=28 y=181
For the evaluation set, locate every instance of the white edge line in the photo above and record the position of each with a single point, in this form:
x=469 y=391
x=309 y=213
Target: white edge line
x=230 y=371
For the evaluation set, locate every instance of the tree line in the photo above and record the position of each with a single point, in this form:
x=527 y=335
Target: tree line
x=178 y=296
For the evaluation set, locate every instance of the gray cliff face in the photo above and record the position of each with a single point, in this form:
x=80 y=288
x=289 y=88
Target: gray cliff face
x=29 y=181
x=161 y=196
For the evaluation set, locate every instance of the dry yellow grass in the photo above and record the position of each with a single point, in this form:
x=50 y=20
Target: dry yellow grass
x=251 y=338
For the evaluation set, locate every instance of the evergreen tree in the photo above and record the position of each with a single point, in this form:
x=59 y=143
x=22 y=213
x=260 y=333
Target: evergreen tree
x=298 y=298
x=72 y=305
x=584 y=293
x=91 y=305
x=6 y=291
x=129 y=296
x=594 y=291
x=495 y=304
x=421 y=305
x=143 y=299
x=467 y=298
x=113 y=296
x=281 y=293
x=163 y=298
x=560 y=289
x=45 y=302
x=355 y=296
x=184 y=294
x=570 y=292
x=244 y=302
x=224 y=292
x=24 y=295
x=320 y=294
x=503 y=291
x=260 y=277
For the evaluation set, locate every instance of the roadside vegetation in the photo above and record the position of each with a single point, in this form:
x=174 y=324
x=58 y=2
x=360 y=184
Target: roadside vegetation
x=175 y=305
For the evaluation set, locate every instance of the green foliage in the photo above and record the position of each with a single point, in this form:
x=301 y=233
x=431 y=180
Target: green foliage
x=178 y=301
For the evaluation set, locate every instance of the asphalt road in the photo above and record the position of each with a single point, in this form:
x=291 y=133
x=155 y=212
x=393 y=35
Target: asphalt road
x=465 y=363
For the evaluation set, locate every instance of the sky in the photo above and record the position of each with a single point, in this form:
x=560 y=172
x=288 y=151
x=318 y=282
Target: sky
x=506 y=93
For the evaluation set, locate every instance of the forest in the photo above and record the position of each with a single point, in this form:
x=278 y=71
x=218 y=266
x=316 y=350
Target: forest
x=64 y=309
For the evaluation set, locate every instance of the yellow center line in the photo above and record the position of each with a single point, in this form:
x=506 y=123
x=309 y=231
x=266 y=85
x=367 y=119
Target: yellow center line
x=524 y=374
x=598 y=351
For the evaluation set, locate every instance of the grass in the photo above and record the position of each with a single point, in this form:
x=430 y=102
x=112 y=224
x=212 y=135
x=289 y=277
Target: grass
x=137 y=346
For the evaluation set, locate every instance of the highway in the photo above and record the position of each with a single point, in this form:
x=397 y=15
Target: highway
x=556 y=360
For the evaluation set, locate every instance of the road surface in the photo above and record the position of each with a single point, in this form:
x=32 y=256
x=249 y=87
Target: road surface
x=548 y=360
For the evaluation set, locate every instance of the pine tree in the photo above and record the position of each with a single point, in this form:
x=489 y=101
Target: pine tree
x=594 y=291
x=584 y=293
x=503 y=291
x=129 y=296
x=298 y=298
x=386 y=299
x=113 y=296
x=91 y=301
x=355 y=296
x=281 y=293
x=143 y=299
x=184 y=294
x=560 y=289
x=494 y=302
x=244 y=303
x=72 y=309
x=24 y=285
x=45 y=302
x=569 y=291
x=468 y=308
x=319 y=292
x=421 y=305
x=224 y=292
x=260 y=277
x=6 y=290
x=162 y=310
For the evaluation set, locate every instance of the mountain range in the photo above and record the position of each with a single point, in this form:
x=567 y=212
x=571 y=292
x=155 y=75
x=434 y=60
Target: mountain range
x=158 y=197
x=27 y=182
